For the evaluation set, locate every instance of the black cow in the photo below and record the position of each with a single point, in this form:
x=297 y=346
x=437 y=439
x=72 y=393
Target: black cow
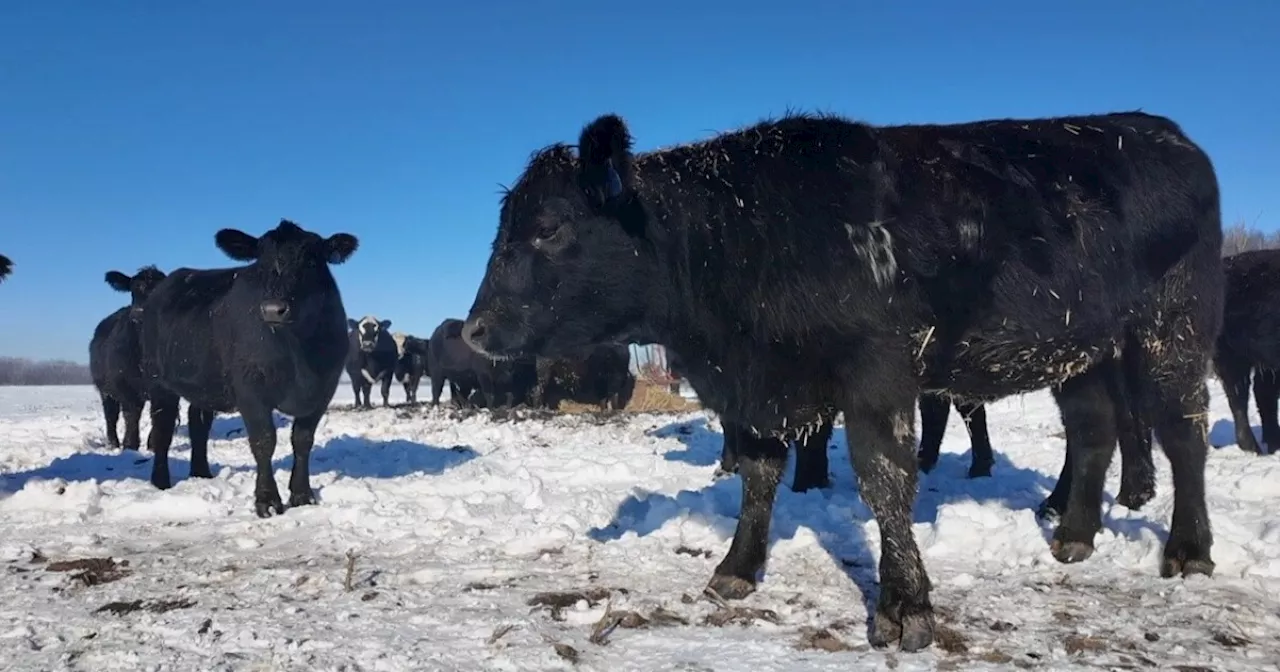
x=814 y=262
x=600 y=375
x=114 y=362
x=1250 y=343
x=6 y=267
x=271 y=335
x=412 y=366
x=371 y=358
x=450 y=359
x=506 y=383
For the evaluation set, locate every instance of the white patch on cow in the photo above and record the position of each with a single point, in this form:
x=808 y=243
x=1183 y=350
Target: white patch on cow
x=874 y=245
x=970 y=233
x=398 y=337
x=368 y=376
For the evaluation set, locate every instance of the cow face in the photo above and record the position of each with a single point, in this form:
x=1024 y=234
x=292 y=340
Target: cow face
x=139 y=287
x=368 y=331
x=290 y=267
x=570 y=265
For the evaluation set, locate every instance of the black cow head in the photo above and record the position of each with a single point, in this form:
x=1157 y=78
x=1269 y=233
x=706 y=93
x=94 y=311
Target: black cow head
x=139 y=287
x=368 y=330
x=570 y=265
x=290 y=266
x=6 y=267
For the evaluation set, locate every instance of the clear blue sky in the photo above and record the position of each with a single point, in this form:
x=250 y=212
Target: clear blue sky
x=131 y=131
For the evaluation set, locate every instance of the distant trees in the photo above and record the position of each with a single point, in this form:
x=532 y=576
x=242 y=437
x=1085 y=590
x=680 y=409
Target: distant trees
x=22 y=371
x=1240 y=238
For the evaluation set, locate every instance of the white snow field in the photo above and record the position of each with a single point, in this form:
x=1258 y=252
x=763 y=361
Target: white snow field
x=455 y=525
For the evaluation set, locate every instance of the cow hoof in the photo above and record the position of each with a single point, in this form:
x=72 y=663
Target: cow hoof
x=926 y=465
x=134 y=447
x=807 y=486
x=201 y=472
x=913 y=633
x=302 y=499
x=722 y=473
x=161 y=483
x=980 y=471
x=730 y=587
x=1172 y=567
x=1068 y=552
x=268 y=508
x=1137 y=497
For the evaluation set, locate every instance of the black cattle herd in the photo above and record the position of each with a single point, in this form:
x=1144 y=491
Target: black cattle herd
x=796 y=269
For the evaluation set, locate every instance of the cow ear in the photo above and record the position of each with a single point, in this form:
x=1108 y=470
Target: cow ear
x=237 y=244
x=351 y=323
x=604 y=159
x=385 y=324
x=118 y=281
x=340 y=246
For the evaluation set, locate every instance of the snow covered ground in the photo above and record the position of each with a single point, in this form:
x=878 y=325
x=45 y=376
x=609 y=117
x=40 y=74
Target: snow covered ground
x=434 y=533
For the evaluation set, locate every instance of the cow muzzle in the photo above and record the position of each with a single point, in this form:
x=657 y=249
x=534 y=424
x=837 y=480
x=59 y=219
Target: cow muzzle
x=274 y=311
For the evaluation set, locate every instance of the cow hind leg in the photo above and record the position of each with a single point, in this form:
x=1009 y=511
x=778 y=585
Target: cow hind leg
x=303 y=439
x=199 y=422
x=111 y=412
x=132 y=410
x=762 y=460
x=164 y=418
x=882 y=447
x=728 y=451
x=812 y=465
x=982 y=455
x=1088 y=418
x=934 y=410
x=1266 y=394
x=1234 y=372
x=1137 y=471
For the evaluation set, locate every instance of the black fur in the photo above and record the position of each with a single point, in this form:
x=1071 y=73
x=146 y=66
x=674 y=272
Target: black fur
x=412 y=366
x=811 y=264
x=371 y=358
x=499 y=383
x=114 y=360
x=6 y=267
x=1250 y=343
x=271 y=335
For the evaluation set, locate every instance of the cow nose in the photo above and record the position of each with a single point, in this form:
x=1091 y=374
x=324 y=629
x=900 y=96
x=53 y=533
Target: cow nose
x=473 y=333
x=274 y=311
x=135 y=313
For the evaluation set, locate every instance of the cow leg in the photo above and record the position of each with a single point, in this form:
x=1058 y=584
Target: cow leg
x=303 y=438
x=1088 y=418
x=111 y=412
x=1266 y=394
x=934 y=410
x=1137 y=471
x=811 y=458
x=164 y=416
x=882 y=447
x=762 y=460
x=1234 y=372
x=132 y=410
x=983 y=456
x=437 y=388
x=199 y=422
x=386 y=390
x=260 y=425
x=355 y=391
x=728 y=451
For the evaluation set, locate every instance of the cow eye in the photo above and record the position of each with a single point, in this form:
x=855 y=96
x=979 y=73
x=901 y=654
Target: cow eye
x=547 y=230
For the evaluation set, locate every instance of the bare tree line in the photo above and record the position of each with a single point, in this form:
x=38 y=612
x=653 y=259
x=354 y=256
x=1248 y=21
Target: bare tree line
x=1240 y=238
x=23 y=371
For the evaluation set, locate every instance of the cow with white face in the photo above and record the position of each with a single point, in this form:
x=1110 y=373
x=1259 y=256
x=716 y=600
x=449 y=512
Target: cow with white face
x=372 y=358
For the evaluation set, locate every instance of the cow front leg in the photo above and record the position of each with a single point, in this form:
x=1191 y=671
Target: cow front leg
x=303 y=439
x=760 y=464
x=882 y=447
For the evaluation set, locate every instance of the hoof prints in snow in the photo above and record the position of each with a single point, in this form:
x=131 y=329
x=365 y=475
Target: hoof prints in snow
x=453 y=539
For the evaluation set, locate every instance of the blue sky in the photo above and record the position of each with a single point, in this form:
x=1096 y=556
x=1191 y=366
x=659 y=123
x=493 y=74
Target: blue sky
x=131 y=132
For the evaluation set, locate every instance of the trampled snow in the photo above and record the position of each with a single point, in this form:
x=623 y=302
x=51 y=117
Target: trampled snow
x=434 y=533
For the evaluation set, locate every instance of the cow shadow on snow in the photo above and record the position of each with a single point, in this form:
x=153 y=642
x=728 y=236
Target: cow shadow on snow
x=346 y=455
x=1223 y=433
x=829 y=513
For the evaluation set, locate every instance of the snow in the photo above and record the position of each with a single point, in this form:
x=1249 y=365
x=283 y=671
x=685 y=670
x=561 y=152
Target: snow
x=455 y=523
